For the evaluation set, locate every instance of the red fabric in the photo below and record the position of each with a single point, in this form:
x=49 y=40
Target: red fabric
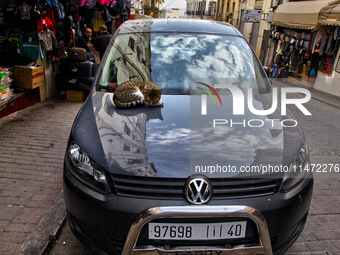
x=310 y=43
x=50 y=15
x=48 y=25
x=103 y=1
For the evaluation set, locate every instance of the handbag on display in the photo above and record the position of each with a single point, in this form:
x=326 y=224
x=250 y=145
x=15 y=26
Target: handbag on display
x=77 y=53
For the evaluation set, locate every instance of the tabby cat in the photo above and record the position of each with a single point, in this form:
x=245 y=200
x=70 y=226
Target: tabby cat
x=131 y=93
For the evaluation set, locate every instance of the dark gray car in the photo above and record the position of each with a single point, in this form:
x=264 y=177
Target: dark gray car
x=202 y=174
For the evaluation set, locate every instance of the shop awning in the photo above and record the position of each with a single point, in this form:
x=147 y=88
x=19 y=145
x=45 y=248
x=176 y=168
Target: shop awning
x=302 y=15
x=330 y=15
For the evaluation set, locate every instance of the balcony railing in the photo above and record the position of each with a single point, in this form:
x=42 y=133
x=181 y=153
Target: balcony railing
x=207 y=13
x=210 y=13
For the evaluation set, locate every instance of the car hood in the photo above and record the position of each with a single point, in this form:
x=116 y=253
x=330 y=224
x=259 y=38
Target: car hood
x=177 y=141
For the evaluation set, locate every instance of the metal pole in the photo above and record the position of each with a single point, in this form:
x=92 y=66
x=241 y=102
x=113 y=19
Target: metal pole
x=202 y=9
x=218 y=9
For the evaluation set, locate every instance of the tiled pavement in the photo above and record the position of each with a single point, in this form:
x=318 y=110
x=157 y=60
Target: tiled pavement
x=33 y=143
x=321 y=234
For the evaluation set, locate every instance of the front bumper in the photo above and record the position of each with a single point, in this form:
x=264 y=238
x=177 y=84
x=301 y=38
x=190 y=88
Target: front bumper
x=187 y=212
x=111 y=224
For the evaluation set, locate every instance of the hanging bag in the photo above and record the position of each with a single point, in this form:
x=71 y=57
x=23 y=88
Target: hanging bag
x=89 y=4
x=77 y=53
x=59 y=12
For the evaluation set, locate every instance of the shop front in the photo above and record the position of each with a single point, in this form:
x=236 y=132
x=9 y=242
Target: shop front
x=35 y=38
x=329 y=81
x=309 y=48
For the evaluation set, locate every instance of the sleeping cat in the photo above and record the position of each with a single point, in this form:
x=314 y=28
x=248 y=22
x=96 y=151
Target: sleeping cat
x=131 y=93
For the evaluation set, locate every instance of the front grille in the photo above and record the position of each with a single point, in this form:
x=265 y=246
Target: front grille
x=173 y=188
x=239 y=188
x=152 y=187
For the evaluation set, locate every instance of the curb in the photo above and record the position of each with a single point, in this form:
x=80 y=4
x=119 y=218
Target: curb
x=326 y=102
x=316 y=94
x=48 y=230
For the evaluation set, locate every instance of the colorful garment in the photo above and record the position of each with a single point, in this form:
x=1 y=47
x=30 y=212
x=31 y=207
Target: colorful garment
x=28 y=46
x=44 y=25
x=48 y=40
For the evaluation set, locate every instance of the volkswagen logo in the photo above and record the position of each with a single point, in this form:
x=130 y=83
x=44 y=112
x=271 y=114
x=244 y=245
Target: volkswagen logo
x=198 y=191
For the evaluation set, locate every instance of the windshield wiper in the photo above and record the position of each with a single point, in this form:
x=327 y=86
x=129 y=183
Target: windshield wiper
x=107 y=87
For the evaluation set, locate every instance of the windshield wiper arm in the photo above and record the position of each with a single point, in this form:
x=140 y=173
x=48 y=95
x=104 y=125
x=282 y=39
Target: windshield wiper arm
x=107 y=87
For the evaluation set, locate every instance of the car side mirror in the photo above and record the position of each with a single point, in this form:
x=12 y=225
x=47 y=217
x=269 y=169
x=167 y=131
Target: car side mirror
x=86 y=72
x=266 y=70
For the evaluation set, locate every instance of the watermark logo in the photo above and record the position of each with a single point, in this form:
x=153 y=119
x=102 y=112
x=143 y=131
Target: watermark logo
x=204 y=97
x=239 y=98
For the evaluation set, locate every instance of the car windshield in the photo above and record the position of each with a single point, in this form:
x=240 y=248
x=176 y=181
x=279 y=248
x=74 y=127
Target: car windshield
x=173 y=60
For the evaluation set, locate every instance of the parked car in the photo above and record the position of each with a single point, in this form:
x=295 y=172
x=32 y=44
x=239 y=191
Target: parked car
x=202 y=174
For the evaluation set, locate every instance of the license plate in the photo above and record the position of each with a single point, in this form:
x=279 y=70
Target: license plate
x=197 y=231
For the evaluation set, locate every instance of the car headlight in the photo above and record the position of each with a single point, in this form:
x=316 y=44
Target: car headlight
x=298 y=170
x=86 y=170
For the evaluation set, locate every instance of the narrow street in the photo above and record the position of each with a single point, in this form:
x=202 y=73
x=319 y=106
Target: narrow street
x=55 y=54
x=322 y=231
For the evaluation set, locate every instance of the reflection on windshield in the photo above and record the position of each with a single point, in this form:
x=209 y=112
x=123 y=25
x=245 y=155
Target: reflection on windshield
x=171 y=60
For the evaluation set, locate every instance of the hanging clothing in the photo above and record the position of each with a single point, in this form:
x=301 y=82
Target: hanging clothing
x=28 y=46
x=323 y=43
x=27 y=14
x=106 y=15
x=336 y=31
x=94 y=16
x=329 y=45
x=284 y=46
x=48 y=40
x=44 y=24
x=316 y=40
x=52 y=3
x=278 y=47
x=25 y=11
x=14 y=46
x=50 y=15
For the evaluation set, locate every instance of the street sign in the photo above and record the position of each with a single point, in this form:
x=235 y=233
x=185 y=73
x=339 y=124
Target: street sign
x=252 y=16
x=270 y=16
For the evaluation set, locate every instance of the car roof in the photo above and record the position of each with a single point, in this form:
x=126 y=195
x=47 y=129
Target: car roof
x=178 y=25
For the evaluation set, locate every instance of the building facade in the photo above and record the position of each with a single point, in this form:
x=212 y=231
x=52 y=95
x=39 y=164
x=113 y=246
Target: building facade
x=171 y=13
